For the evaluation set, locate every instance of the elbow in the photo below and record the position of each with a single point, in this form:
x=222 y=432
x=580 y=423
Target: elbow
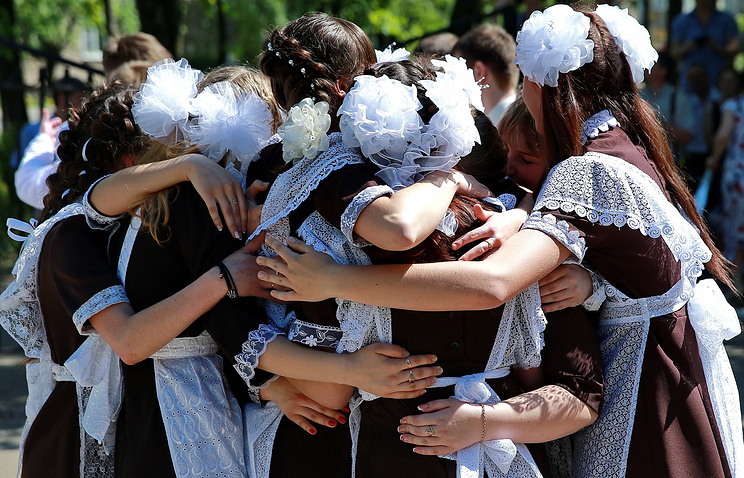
x=130 y=357
x=399 y=234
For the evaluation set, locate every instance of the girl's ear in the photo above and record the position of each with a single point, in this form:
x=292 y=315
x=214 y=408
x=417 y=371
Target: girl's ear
x=341 y=87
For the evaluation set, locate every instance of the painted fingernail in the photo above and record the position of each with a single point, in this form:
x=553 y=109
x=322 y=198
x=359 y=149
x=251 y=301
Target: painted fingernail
x=331 y=423
x=403 y=421
x=423 y=406
x=219 y=228
x=237 y=235
x=401 y=429
x=346 y=409
x=313 y=431
x=403 y=438
x=342 y=419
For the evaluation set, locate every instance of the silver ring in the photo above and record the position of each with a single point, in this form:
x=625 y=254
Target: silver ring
x=233 y=201
x=408 y=362
x=411 y=378
x=430 y=430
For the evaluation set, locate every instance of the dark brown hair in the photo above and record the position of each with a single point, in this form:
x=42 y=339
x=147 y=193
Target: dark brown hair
x=495 y=47
x=325 y=48
x=113 y=141
x=607 y=83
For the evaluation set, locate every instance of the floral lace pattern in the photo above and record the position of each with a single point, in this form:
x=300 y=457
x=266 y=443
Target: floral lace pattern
x=105 y=298
x=247 y=361
x=314 y=335
x=600 y=122
x=95 y=460
x=611 y=192
x=95 y=219
x=355 y=208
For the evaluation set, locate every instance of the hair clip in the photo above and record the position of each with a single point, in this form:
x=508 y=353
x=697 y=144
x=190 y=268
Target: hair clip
x=276 y=53
x=291 y=62
x=303 y=71
x=270 y=47
x=85 y=157
x=67 y=191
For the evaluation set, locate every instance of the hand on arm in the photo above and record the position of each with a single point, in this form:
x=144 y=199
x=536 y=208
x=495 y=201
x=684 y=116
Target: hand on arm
x=401 y=221
x=569 y=285
x=545 y=414
x=478 y=285
x=380 y=369
x=496 y=229
x=299 y=408
x=219 y=189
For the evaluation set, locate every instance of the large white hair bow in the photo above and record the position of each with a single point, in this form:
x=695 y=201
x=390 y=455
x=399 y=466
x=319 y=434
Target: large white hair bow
x=163 y=104
x=552 y=42
x=631 y=37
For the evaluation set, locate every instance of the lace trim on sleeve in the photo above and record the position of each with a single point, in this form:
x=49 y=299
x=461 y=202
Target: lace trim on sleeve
x=595 y=301
x=96 y=219
x=559 y=230
x=355 y=208
x=247 y=361
x=314 y=335
x=103 y=299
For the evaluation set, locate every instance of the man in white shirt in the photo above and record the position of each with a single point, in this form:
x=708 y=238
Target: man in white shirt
x=489 y=51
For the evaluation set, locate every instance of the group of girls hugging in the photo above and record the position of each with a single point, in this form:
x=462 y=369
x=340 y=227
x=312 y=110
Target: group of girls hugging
x=337 y=266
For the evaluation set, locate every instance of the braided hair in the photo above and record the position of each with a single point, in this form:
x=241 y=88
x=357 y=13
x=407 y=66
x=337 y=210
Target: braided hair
x=101 y=140
x=306 y=58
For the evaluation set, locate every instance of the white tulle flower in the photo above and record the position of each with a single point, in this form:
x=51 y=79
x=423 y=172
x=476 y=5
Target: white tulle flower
x=453 y=122
x=304 y=134
x=380 y=114
x=552 y=42
x=163 y=104
x=392 y=55
x=460 y=76
x=631 y=37
x=228 y=121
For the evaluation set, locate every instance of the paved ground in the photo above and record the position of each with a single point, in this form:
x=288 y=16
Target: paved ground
x=13 y=394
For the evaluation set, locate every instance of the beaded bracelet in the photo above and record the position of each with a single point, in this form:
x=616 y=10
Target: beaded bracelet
x=483 y=419
x=225 y=274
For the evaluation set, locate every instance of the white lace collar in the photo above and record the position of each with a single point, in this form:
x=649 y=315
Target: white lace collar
x=599 y=122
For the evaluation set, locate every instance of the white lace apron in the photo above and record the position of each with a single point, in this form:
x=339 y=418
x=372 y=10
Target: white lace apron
x=21 y=317
x=611 y=192
x=203 y=421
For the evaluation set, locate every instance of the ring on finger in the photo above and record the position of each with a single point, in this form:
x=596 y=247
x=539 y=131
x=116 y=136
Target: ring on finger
x=408 y=362
x=233 y=201
x=411 y=378
x=430 y=430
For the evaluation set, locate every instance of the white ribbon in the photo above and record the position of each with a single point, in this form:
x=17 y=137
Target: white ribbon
x=471 y=461
x=20 y=226
x=95 y=364
x=714 y=321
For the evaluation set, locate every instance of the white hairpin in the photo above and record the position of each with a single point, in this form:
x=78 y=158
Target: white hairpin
x=85 y=156
x=228 y=121
x=552 y=42
x=67 y=191
x=631 y=37
x=163 y=103
x=390 y=55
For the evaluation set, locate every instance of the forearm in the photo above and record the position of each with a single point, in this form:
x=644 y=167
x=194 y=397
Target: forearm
x=542 y=415
x=113 y=195
x=463 y=285
x=401 y=221
x=330 y=395
x=136 y=336
x=298 y=362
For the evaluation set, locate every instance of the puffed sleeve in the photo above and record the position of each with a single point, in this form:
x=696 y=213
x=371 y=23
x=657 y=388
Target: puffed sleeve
x=83 y=280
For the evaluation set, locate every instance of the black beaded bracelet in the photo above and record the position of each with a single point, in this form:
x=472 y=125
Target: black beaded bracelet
x=225 y=274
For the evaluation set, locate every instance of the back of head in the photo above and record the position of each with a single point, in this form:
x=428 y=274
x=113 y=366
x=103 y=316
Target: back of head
x=436 y=45
x=138 y=46
x=495 y=47
x=102 y=139
x=487 y=161
x=306 y=57
x=132 y=73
